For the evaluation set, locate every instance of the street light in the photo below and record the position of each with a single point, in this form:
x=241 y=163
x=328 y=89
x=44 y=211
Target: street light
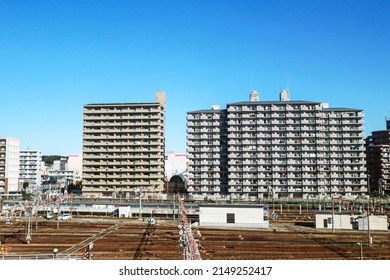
x=55 y=251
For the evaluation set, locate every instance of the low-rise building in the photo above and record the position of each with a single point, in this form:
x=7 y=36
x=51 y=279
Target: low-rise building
x=324 y=220
x=342 y=220
x=235 y=216
x=376 y=222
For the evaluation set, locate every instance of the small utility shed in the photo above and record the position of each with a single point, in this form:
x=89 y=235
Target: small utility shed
x=341 y=220
x=377 y=222
x=350 y=221
x=124 y=211
x=226 y=215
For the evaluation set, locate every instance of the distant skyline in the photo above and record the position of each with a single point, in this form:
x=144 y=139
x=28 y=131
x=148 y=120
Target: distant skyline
x=57 y=56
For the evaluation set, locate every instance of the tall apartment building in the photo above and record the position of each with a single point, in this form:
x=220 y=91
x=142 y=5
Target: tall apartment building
x=30 y=168
x=123 y=148
x=9 y=165
x=207 y=152
x=255 y=149
x=378 y=160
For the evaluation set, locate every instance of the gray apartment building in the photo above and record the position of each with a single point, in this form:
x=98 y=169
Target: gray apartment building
x=123 y=148
x=258 y=149
x=378 y=160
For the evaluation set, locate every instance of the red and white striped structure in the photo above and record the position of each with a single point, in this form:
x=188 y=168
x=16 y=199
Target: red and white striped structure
x=189 y=244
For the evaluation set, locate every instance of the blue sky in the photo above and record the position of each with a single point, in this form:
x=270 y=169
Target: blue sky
x=57 y=56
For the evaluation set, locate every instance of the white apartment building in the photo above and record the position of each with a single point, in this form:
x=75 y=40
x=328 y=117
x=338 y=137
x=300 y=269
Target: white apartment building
x=9 y=165
x=123 y=148
x=75 y=164
x=175 y=164
x=30 y=168
x=284 y=148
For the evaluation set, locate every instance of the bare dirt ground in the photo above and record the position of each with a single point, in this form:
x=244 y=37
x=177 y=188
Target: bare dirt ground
x=124 y=239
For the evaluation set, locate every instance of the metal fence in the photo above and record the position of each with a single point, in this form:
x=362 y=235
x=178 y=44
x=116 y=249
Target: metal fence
x=42 y=257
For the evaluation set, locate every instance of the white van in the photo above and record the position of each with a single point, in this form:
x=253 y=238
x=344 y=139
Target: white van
x=64 y=217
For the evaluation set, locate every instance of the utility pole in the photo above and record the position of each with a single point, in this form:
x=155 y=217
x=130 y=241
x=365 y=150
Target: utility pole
x=333 y=230
x=361 y=250
x=59 y=212
x=368 y=224
x=29 y=232
x=140 y=205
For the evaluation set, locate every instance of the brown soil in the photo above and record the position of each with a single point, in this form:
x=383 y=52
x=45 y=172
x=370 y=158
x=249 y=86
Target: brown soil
x=128 y=239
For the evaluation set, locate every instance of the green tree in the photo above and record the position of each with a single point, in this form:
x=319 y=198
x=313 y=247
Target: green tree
x=25 y=195
x=48 y=160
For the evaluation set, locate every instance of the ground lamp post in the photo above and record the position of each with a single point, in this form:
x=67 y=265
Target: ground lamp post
x=332 y=214
x=361 y=249
x=140 y=204
x=368 y=225
x=55 y=251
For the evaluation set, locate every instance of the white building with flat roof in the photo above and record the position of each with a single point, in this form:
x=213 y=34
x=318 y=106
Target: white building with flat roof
x=30 y=168
x=338 y=220
x=377 y=222
x=9 y=165
x=324 y=220
x=236 y=216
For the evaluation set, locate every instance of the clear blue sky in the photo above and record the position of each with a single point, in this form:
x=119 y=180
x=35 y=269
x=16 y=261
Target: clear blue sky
x=57 y=56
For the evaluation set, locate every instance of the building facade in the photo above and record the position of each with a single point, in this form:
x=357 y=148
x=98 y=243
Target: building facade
x=207 y=152
x=9 y=165
x=175 y=164
x=123 y=148
x=75 y=164
x=30 y=169
x=378 y=160
x=276 y=149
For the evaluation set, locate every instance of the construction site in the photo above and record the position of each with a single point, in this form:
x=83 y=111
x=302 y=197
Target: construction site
x=290 y=236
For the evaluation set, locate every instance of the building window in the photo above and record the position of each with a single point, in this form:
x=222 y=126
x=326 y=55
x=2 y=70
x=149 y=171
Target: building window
x=230 y=218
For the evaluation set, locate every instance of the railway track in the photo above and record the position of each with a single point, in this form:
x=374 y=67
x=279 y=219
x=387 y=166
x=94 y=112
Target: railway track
x=132 y=239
